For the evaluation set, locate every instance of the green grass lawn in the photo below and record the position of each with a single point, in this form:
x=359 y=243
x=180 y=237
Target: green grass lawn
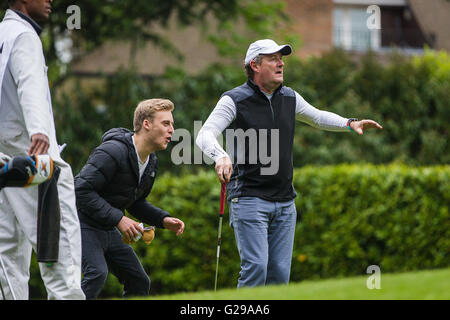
x=420 y=285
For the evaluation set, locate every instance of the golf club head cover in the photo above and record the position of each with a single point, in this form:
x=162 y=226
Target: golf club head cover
x=24 y=171
x=149 y=235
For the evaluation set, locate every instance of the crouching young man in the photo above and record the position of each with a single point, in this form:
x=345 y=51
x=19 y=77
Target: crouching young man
x=118 y=176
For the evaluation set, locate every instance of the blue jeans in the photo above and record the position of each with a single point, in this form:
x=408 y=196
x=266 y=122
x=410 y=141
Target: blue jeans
x=264 y=232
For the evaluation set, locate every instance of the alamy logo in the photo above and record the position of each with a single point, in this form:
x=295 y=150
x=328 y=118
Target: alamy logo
x=374 y=21
x=249 y=146
x=74 y=20
x=374 y=281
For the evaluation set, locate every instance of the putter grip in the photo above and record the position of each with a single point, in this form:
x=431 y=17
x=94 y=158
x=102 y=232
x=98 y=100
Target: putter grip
x=223 y=190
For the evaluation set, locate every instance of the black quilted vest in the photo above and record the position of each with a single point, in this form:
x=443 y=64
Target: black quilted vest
x=255 y=111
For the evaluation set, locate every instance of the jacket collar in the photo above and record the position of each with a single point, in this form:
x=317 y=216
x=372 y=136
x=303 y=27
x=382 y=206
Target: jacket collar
x=132 y=155
x=20 y=16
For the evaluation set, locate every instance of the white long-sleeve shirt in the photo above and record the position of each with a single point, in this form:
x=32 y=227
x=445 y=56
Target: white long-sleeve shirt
x=225 y=112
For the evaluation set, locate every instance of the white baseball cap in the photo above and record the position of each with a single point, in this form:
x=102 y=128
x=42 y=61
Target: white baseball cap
x=265 y=46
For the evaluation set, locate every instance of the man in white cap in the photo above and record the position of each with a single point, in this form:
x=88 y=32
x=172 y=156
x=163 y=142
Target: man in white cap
x=28 y=129
x=262 y=209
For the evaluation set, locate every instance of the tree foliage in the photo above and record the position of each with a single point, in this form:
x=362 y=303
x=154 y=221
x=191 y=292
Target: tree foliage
x=134 y=20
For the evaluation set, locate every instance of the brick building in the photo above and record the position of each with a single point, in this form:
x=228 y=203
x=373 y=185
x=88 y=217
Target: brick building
x=405 y=24
x=408 y=25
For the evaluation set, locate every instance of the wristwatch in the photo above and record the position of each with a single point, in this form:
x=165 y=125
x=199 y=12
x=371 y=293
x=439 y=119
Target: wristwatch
x=350 y=121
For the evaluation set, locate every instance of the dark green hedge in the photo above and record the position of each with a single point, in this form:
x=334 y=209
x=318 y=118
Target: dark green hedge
x=350 y=217
x=394 y=216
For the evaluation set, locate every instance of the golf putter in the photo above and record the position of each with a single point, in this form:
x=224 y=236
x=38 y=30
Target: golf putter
x=223 y=190
x=7 y=280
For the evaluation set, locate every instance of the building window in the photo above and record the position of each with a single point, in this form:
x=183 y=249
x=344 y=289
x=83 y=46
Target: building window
x=350 y=29
x=401 y=29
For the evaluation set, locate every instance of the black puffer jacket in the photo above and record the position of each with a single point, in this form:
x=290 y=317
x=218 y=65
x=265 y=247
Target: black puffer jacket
x=108 y=184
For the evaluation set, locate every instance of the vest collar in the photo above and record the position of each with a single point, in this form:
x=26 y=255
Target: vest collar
x=256 y=88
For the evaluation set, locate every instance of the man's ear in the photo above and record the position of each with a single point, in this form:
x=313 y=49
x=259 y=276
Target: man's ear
x=254 y=65
x=147 y=124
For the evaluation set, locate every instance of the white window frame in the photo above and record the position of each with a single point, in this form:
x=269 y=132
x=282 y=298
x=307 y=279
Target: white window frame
x=346 y=24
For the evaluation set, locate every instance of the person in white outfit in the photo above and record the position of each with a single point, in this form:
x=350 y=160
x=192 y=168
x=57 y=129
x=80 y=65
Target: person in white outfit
x=28 y=128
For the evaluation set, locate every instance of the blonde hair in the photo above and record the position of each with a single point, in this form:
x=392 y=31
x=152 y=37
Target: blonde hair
x=146 y=110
